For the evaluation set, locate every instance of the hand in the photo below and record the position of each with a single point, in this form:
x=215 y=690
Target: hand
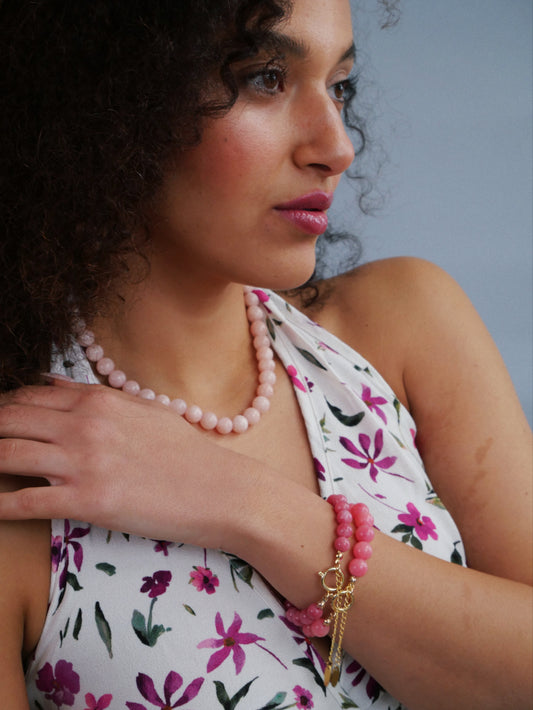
x=117 y=461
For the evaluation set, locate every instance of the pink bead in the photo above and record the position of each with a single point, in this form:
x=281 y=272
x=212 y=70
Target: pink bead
x=117 y=378
x=341 y=544
x=163 y=399
x=262 y=404
x=264 y=365
x=253 y=415
x=265 y=390
x=305 y=619
x=179 y=405
x=360 y=512
x=267 y=377
x=307 y=630
x=86 y=338
x=344 y=516
x=224 y=426
x=258 y=327
x=364 y=533
x=255 y=313
x=251 y=299
x=208 y=421
x=357 y=567
x=131 y=387
x=363 y=550
x=314 y=611
x=105 y=366
x=292 y=614
x=261 y=341
x=265 y=353
x=193 y=414
x=240 y=424
x=147 y=393
x=94 y=353
x=335 y=498
x=344 y=530
x=319 y=628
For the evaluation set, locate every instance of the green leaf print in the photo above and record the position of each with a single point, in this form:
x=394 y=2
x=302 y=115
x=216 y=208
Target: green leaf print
x=189 y=609
x=240 y=568
x=275 y=702
x=63 y=634
x=103 y=628
x=306 y=663
x=310 y=358
x=265 y=614
x=147 y=632
x=347 y=703
x=110 y=570
x=456 y=555
x=73 y=581
x=77 y=625
x=224 y=699
x=346 y=419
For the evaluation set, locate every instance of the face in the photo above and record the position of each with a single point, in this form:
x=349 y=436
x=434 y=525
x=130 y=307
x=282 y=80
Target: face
x=247 y=204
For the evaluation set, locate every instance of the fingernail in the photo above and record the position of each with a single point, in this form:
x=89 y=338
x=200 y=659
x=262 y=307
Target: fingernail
x=56 y=376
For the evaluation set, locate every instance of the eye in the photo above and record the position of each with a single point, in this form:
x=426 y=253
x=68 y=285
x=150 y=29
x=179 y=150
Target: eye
x=269 y=80
x=342 y=91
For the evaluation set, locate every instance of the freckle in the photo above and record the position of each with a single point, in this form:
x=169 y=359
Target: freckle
x=482 y=451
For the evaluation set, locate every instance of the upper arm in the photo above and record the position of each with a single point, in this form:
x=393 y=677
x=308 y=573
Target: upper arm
x=24 y=575
x=418 y=328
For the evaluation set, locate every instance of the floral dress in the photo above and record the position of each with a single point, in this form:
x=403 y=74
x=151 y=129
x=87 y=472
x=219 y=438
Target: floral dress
x=142 y=624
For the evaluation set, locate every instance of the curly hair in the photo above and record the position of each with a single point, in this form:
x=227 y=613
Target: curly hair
x=97 y=97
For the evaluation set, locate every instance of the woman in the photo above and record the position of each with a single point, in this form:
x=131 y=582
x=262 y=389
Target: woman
x=161 y=156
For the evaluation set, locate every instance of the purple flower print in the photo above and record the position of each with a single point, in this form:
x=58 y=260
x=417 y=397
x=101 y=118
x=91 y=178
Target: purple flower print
x=173 y=683
x=422 y=526
x=56 y=552
x=100 y=704
x=319 y=469
x=300 y=638
x=156 y=585
x=373 y=402
x=304 y=698
x=229 y=641
x=292 y=372
x=60 y=684
x=373 y=688
x=162 y=546
x=367 y=458
x=203 y=579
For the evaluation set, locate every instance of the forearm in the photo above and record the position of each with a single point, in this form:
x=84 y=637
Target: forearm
x=435 y=635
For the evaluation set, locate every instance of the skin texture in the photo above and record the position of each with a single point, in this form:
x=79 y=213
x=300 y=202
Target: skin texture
x=96 y=445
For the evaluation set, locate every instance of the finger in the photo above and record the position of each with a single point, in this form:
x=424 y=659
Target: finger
x=20 y=421
x=37 y=503
x=19 y=457
x=59 y=394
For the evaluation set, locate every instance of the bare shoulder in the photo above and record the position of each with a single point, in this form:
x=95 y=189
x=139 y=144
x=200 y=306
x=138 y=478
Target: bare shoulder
x=25 y=574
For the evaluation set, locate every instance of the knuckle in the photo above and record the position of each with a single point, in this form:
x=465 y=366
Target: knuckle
x=8 y=449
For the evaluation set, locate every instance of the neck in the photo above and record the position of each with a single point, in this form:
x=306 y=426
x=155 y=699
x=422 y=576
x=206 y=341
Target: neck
x=191 y=343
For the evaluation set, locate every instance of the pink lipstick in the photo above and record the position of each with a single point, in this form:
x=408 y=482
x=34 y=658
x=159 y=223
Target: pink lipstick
x=308 y=212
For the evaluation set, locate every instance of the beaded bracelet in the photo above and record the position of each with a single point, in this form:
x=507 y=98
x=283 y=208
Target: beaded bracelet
x=331 y=610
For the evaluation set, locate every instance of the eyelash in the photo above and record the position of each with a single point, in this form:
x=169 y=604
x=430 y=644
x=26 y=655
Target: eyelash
x=255 y=80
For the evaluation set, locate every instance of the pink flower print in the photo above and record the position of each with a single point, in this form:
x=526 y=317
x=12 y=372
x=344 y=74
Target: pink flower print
x=300 y=638
x=156 y=585
x=423 y=526
x=229 y=641
x=303 y=698
x=203 y=579
x=261 y=295
x=292 y=372
x=368 y=459
x=173 y=683
x=60 y=685
x=373 y=402
x=101 y=704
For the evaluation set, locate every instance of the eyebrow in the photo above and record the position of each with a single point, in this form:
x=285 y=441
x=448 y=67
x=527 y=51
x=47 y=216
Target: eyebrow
x=298 y=48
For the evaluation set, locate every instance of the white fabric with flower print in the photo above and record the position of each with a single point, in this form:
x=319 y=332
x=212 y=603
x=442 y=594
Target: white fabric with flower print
x=142 y=624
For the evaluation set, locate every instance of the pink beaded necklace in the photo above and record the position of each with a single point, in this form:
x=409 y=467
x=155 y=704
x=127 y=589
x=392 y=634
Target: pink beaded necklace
x=192 y=412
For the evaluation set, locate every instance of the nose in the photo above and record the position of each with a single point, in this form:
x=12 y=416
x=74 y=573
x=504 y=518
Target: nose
x=321 y=140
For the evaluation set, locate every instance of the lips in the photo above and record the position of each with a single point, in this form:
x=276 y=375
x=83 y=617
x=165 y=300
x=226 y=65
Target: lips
x=308 y=212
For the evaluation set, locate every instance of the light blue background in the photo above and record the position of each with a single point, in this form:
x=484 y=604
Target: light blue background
x=449 y=93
